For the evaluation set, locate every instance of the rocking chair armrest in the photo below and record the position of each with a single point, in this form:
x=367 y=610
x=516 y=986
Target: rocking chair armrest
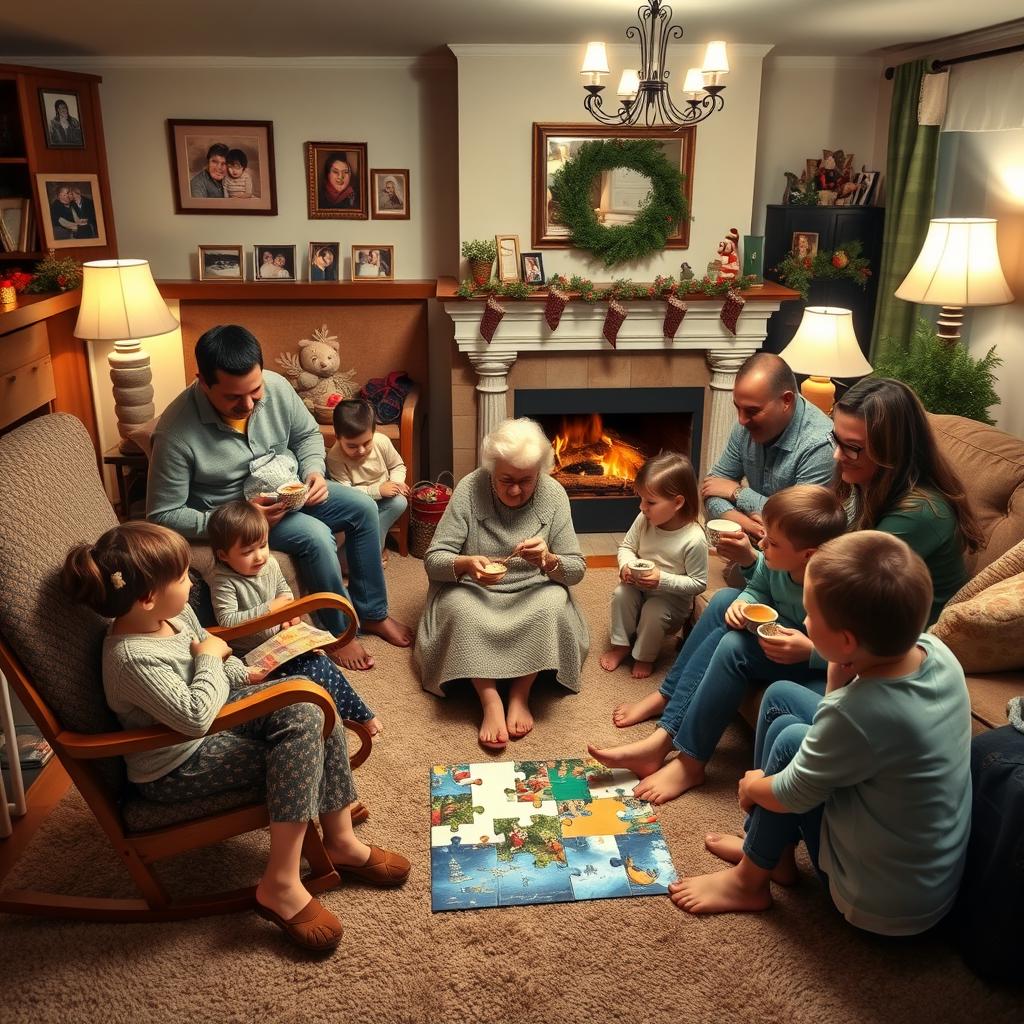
x=90 y=746
x=292 y=610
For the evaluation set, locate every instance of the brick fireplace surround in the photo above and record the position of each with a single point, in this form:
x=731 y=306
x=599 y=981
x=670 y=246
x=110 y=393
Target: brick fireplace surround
x=525 y=353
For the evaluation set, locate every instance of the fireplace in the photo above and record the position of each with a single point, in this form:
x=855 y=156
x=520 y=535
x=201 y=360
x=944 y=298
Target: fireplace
x=601 y=437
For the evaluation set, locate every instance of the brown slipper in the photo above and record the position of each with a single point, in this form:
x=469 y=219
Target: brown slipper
x=360 y=812
x=384 y=868
x=314 y=927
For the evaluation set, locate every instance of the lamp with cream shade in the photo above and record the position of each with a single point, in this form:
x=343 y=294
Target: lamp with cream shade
x=823 y=347
x=121 y=303
x=958 y=266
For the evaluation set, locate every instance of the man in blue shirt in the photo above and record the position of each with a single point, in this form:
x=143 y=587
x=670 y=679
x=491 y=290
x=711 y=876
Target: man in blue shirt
x=780 y=439
x=235 y=413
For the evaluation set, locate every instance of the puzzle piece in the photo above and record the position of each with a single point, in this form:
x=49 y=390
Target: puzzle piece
x=532 y=784
x=647 y=863
x=568 y=778
x=596 y=868
x=449 y=814
x=609 y=782
x=463 y=877
x=541 y=838
x=449 y=780
x=640 y=817
x=603 y=820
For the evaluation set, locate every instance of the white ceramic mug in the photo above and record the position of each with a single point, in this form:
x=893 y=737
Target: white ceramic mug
x=641 y=568
x=716 y=527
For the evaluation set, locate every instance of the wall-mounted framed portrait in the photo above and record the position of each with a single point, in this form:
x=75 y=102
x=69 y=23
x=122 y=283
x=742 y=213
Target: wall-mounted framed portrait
x=336 y=181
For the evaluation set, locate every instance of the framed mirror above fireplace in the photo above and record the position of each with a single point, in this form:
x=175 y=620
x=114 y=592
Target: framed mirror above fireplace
x=602 y=436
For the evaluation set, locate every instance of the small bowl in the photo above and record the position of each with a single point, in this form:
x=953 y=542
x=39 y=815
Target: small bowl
x=641 y=568
x=768 y=629
x=716 y=527
x=293 y=496
x=756 y=615
x=494 y=571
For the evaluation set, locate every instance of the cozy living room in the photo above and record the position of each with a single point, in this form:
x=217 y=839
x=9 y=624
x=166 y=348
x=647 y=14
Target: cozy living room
x=506 y=494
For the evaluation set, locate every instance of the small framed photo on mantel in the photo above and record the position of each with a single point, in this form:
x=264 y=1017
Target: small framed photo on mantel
x=508 y=257
x=324 y=261
x=373 y=262
x=533 y=268
x=273 y=262
x=221 y=263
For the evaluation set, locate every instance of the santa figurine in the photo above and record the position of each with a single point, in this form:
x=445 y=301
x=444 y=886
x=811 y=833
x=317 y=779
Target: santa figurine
x=728 y=256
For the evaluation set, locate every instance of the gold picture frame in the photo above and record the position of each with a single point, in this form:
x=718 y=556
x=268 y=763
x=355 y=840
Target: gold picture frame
x=507 y=250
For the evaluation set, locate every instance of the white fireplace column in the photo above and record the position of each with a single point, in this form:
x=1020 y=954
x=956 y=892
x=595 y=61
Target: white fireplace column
x=492 y=368
x=724 y=364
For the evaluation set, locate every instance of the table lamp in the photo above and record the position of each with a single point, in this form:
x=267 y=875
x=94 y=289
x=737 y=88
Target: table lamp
x=958 y=266
x=823 y=347
x=120 y=303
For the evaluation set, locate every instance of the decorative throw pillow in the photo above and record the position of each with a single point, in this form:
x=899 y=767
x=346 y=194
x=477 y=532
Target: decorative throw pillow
x=984 y=631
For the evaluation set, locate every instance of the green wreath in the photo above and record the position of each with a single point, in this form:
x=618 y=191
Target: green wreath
x=662 y=212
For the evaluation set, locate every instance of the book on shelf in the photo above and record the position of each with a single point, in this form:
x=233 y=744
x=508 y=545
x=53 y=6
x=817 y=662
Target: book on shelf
x=33 y=750
x=287 y=644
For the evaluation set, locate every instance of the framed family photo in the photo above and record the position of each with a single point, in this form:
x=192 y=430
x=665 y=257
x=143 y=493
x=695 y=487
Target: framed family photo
x=72 y=211
x=508 y=257
x=221 y=263
x=61 y=119
x=533 y=268
x=337 y=180
x=324 y=261
x=804 y=244
x=273 y=262
x=389 y=193
x=223 y=167
x=369 y=261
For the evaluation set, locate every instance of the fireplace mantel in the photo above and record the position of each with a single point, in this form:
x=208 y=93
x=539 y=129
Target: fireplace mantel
x=523 y=329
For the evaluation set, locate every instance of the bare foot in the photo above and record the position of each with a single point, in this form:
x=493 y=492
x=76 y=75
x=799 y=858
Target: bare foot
x=518 y=719
x=614 y=657
x=642 y=758
x=384 y=557
x=722 y=892
x=396 y=633
x=639 y=711
x=730 y=848
x=671 y=780
x=642 y=669
x=353 y=655
x=493 y=731
x=373 y=726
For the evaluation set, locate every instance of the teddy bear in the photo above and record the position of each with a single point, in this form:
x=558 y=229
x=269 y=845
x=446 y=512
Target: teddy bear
x=728 y=256
x=314 y=372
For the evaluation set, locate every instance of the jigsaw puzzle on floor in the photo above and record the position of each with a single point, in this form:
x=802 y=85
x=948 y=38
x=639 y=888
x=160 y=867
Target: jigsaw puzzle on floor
x=509 y=833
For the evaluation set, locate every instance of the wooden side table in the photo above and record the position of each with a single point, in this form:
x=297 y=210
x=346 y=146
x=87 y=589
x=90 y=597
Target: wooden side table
x=124 y=463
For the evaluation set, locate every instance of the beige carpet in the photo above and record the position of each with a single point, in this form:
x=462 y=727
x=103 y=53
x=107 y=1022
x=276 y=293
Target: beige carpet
x=614 y=960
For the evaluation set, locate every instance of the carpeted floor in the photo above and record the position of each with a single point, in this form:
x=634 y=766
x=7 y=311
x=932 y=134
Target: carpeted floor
x=617 y=960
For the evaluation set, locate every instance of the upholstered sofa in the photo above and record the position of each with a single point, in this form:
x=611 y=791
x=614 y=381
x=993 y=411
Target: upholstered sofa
x=991 y=465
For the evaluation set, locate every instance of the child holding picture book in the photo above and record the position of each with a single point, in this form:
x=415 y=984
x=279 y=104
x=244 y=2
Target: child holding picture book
x=247 y=582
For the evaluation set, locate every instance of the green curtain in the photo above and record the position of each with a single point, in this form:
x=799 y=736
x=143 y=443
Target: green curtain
x=910 y=192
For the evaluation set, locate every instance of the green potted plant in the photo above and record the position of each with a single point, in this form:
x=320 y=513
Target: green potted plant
x=481 y=254
x=945 y=377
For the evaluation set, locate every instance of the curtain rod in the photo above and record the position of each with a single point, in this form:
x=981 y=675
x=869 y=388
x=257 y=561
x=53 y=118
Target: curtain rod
x=938 y=65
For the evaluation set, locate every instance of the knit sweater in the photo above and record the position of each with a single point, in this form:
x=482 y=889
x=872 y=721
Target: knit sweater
x=151 y=680
x=681 y=555
x=199 y=462
x=383 y=463
x=237 y=598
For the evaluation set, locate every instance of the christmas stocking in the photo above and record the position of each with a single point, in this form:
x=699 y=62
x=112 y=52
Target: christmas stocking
x=613 y=321
x=493 y=312
x=554 y=307
x=734 y=303
x=675 y=310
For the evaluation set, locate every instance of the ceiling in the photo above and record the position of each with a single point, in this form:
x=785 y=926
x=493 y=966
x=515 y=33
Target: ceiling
x=308 y=28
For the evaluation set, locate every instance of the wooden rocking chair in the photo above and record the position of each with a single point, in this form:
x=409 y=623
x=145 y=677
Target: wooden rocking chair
x=50 y=653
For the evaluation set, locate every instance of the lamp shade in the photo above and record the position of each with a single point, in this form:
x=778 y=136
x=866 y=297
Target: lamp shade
x=715 y=59
x=629 y=84
x=694 y=82
x=120 y=301
x=825 y=345
x=958 y=266
x=595 y=61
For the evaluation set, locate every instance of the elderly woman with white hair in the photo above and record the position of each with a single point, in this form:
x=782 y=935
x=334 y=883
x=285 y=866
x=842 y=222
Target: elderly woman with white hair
x=488 y=629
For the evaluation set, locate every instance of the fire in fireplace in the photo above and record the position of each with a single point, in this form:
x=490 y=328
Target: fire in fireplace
x=593 y=459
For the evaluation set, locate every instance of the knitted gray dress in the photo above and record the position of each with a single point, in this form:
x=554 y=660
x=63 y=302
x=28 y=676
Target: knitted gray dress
x=526 y=623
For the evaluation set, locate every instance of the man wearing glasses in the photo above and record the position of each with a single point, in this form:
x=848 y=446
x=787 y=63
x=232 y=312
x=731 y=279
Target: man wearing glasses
x=780 y=439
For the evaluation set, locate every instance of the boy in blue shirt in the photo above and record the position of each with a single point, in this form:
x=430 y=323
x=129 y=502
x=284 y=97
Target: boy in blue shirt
x=878 y=785
x=721 y=660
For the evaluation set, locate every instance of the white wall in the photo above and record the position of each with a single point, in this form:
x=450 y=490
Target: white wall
x=503 y=90
x=809 y=104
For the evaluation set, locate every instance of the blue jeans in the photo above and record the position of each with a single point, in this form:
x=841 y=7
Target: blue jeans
x=700 y=708
x=700 y=646
x=309 y=535
x=782 y=698
x=768 y=833
x=389 y=511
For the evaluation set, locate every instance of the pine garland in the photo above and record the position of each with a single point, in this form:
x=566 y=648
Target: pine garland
x=623 y=289
x=660 y=215
x=56 y=274
x=845 y=263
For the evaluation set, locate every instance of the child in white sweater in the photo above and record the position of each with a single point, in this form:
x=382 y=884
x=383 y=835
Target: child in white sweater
x=656 y=599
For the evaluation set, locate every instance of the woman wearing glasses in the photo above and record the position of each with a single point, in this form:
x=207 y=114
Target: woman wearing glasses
x=893 y=477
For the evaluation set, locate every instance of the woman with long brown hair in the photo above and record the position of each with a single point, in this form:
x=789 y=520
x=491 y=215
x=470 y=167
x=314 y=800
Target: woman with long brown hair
x=893 y=477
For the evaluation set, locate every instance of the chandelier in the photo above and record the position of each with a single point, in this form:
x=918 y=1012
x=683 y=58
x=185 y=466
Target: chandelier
x=643 y=92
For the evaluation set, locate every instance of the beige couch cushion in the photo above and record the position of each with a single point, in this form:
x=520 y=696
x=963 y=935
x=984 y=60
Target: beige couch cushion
x=983 y=631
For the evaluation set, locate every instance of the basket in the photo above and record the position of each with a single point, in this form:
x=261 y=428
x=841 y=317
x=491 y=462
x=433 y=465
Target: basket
x=427 y=504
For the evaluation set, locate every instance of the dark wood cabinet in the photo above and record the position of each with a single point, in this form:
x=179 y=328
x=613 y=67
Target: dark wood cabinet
x=834 y=226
